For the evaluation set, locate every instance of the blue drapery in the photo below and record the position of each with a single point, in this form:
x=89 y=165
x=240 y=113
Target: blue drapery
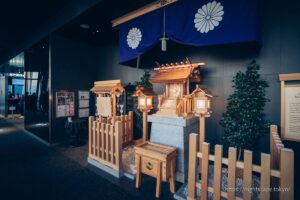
x=139 y=35
x=192 y=22
x=207 y=22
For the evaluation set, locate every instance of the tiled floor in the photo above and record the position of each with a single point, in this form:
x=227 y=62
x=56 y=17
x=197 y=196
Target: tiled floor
x=32 y=170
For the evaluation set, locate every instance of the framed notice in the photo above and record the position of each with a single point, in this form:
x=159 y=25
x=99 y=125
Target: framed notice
x=82 y=94
x=65 y=105
x=83 y=112
x=290 y=107
x=292 y=112
x=84 y=103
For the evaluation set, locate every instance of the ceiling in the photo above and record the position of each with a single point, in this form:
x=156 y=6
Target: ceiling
x=24 y=23
x=99 y=18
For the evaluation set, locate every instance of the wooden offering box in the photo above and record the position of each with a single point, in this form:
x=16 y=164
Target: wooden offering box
x=157 y=161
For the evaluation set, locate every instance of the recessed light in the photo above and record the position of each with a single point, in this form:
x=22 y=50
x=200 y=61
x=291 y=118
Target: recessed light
x=97 y=31
x=84 y=26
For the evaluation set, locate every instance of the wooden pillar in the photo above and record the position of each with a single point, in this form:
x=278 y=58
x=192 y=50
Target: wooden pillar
x=287 y=174
x=145 y=125
x=273 y=129
x=91 y=119
x=202 y=131
x=114 y=101
x=192 y=176
x=118 y=146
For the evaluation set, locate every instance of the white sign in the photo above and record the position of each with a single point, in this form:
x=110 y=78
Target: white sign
x=12 y=108
x=292 y=112
x=84 y=103
x=83 y=94
x=85 y=112
x=61 y=111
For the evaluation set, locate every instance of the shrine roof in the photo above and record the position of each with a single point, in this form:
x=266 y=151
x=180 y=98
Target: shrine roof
x=107 y=87
x=146 y=91
x=176 y=73
x=199 y=90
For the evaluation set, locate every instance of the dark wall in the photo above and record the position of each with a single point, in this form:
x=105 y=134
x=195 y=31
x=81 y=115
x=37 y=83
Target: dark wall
x=73 y=68
x=278 y=54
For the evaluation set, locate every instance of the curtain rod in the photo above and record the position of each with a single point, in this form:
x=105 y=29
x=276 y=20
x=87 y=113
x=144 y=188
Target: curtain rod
x=142 y=11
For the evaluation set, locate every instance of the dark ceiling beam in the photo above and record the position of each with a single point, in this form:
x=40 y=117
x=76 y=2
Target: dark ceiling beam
x=69 y=12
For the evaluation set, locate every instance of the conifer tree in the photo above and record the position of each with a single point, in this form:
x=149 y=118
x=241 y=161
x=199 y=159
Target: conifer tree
x=244 y=122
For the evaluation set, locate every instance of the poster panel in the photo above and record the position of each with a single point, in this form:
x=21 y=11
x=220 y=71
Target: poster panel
x=83 y=94
x=292 y=112
x=83 y=112
x=65 y=104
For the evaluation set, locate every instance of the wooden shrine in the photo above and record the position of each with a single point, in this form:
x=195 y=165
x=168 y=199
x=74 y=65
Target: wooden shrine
x=177 y=78
x=109 y=134
x=107 y=91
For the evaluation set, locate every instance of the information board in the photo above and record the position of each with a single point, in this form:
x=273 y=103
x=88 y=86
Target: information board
x=292 y=112
x=65 y=105
x=84 y=103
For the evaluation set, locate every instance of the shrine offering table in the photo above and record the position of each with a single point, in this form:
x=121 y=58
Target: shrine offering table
x=157 y=161
x=174 y=131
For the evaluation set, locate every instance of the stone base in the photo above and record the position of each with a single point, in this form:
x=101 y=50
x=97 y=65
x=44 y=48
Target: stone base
x=174 y=131
x=113 y=172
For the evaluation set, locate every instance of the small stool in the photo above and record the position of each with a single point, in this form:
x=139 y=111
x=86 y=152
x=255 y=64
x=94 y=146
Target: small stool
x=157 y=161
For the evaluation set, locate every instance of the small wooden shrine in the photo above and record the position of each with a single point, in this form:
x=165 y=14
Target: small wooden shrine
x=107 y=91
x=110 y=136
x=177 y=78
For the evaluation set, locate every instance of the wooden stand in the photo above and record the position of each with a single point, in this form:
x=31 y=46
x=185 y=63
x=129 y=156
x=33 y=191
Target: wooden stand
x=157 y=161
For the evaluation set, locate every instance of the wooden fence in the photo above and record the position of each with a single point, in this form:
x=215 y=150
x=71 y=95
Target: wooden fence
x=275 y=147
x=126 y=126
x=185 y=106
x=285 y=175
x=105 y=143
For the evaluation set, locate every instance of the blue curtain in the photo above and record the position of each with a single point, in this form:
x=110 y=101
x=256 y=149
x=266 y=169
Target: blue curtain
x=192 y=22
x=207 y=22
x=139 y=35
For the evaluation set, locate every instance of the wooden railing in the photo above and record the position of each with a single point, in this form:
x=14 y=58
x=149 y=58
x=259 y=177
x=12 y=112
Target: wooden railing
x=185 y=106
x=105 y=143
x=275 y=147
x=285 y=174
x=126 y=126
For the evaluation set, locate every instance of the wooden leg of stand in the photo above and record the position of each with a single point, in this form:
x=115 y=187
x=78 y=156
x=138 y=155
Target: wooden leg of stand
x=172 y=179
x=158 y=181
x=138 y=172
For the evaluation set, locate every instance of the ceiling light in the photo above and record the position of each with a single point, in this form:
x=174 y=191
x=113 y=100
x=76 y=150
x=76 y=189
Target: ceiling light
x=84 y=26
x=97 y=31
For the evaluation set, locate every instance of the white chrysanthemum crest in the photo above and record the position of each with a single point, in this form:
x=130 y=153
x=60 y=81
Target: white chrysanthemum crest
x=208 y=17
x=134 y=37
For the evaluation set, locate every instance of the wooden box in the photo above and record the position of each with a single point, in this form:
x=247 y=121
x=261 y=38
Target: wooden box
x=151 y=156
